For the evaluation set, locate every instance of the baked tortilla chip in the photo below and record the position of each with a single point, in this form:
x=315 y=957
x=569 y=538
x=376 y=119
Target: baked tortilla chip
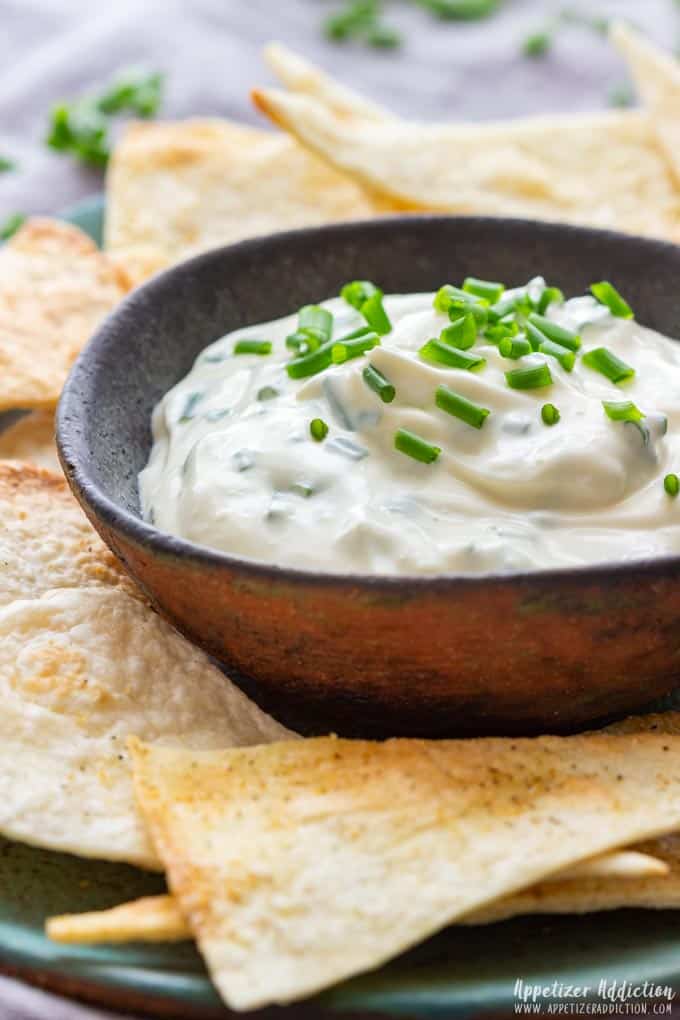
x=300 y=864
x=31 y=439
x=175 y=189
x=657 y=79
x=84 y=662
x=602 y=169
x=55 y=289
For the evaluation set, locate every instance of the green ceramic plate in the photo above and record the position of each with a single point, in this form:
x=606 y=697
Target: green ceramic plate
x=463 y=972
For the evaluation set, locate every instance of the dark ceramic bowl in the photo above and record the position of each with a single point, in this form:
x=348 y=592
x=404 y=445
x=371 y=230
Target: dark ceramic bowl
x=548 y=650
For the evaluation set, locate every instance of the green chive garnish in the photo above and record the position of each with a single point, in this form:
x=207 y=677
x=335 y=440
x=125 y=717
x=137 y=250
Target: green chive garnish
x=462 y=333
x=550 y=414
x=267 y=393
x=603 y=361
x=10 y=226
x=440 y=353
x=671 y=484
x=551 y=295
x=566 y=358
x=454 y=302
x=375 y=315
x=302 y=341
x=316 y=320
x=460 y=407
x=344 y=350
x=377 y=382
x=558 y=334
x=312 y=363
x=622 y=410
x=514 y=347
x=358 y=291
x=318 y=429
x=189 y=407
x=608 y=295
x=486 y=289
x=529 y=378
x=253 y=347
x=500 y=309
x=413 y=446
x=504 y=329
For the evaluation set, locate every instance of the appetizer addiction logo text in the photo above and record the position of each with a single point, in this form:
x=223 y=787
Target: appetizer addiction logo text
x=606 y=998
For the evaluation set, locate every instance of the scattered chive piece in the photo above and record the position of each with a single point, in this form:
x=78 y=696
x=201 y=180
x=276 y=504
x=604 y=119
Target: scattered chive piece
x=550 y=414
x=267 y=393
x=462 y=333
x=603 y=361
x=358 y=291
x=413 y=446
x=189 y=407
x=11 y=225
x=565 y=357
x=443 y=354
x=608 y=295
x=6 y=165
x=537 y=45
x=344 y=350
x=551 y=295
x=302 y=488
x=316 y=320
x=318 y=429
x=377 y=382
x=355 y=334
x=671 y=484
x=474 y=308
x=302 y=341
x=312 y=363
x=375 y=315
x=529 y=378
x=501 y=308
x=460 y=407
x=622 y=410
x=514 y=347
x=449 y=295
x=559 y=334
x=501 y=330
x=253 y=347
x=487 y=289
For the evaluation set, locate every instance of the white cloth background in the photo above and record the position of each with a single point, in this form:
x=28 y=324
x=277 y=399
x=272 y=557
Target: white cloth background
x=51 y=49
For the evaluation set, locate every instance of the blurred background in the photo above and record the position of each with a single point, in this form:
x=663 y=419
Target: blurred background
x=428 y=59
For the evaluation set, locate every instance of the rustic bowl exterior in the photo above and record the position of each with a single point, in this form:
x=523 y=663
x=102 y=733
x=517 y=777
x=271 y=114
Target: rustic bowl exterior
x=432 y=656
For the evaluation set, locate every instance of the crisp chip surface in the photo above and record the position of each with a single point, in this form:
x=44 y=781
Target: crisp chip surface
x=55 y=289
x=31 y=439
x=299 y=864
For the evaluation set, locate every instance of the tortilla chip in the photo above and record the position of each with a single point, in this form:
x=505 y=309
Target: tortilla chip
x=300 y=864
x=175 y=189
x=299 y=75
x=667 y=723
x=617 y=864
x=31 y=439
x=84 y=662
x=150 y=919
x=657 y=79
x=55 y=288
x=601 y=169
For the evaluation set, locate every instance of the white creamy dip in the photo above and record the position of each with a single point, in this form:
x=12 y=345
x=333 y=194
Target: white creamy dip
x=244 y=475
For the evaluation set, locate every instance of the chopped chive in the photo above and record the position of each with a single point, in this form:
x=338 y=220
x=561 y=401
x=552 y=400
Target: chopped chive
x=533 y=378
x=358 y=291
x=486 y=289
x=303 y=489
x=474 y=308
x=344 y=350
x=622 y=410
x=189 y=407
x=413 y=446
x=355 y=334
x=558 y=334
x=551 y=295
x=253 y=347
x=550 y=414
x=608 y=295
x=603 y=361
x=514 y=347
x=267 y=393
x=10 y=226
x=318 y=429
x=440 y=353
x=501 y=308
x=302 y=342
x=537 y=44
x=671 y=484
x=460 y=407
x=377 y=382
x=316 y=320
x=375 y=315
x=453 y=301
x=6 y=165
x=462 y=333
x=312 y=363
x=565 y=357
x=504 y=329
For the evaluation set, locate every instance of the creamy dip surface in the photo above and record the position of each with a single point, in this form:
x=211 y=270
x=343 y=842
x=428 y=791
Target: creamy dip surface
x=234 y=466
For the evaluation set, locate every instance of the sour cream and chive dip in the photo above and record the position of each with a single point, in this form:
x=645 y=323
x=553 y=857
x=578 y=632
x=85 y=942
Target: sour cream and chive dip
x=479 y=429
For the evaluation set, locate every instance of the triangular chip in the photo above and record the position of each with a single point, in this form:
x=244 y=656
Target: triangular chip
x=601 y=169
x=55 y=289
x=657 y=79
x=175 y=189
x=299 y=864
x=31 y=439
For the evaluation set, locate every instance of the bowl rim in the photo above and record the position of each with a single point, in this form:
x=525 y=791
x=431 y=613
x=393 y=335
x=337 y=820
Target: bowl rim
x=162 y=543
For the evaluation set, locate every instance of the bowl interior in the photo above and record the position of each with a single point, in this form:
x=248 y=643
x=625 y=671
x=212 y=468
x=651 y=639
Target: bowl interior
x=153 y=337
